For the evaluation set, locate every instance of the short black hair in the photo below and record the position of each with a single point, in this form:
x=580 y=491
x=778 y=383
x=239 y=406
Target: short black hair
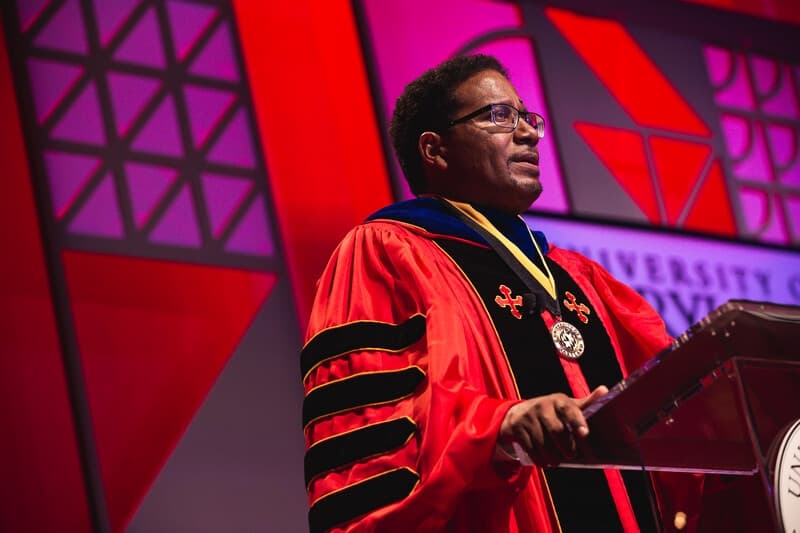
x=427 y=104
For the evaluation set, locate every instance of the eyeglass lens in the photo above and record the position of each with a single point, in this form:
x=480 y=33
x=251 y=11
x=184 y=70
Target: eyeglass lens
x=506 y=116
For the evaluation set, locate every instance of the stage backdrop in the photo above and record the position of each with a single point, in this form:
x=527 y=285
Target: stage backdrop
x=176 y=173
x=653 y=122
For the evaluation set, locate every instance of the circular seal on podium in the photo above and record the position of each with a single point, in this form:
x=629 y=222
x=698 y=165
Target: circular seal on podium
x=786 y=479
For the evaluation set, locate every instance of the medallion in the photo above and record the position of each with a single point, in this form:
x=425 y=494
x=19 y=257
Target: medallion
x=568 y=339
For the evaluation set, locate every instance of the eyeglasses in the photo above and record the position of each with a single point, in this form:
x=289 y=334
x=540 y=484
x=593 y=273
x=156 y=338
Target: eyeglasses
x=506 y=117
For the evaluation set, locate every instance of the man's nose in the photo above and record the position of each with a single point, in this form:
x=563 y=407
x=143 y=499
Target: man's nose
x=526 y=133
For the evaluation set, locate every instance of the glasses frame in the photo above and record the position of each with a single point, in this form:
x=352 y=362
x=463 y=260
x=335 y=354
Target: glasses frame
x=533 y=119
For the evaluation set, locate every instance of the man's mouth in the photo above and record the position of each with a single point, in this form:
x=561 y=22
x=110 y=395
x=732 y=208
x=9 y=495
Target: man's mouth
x=528 y=157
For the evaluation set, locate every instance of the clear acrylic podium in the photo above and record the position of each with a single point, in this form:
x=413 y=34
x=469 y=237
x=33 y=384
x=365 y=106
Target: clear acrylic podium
x=717 y=401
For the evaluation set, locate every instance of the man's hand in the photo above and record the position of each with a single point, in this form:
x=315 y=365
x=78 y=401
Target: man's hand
x=546 y=426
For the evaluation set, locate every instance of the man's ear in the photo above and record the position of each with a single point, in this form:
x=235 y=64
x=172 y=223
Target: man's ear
x=432 y=150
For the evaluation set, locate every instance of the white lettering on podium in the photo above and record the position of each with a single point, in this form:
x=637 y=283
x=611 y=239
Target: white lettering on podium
x=795 y=471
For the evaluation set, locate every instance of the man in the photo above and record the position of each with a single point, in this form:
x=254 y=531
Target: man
x=446 y=340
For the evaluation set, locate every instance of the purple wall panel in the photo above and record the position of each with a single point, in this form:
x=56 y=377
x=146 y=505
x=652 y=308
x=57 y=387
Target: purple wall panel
x=139 y=127
x=169 y=107
x=67 y=174
x=66 y=22
x=234 y=147
x=147 y=185
x=143 y=45
x=53 y=80
x=760 y=119
x=29 y=11
x=178 y=226
x=111 y=16
x=160 y=135
x=208 y=105
x=82 y=123
x=248 y=237
x=224 y=195
x=187 y=22
x=217 y=59
x=99 y=215
x=129 y=95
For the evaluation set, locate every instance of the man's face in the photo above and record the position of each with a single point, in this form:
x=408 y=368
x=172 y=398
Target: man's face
x=486 y=164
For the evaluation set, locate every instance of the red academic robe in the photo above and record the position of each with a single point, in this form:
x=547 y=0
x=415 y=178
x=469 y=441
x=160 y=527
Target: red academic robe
x=382 y=277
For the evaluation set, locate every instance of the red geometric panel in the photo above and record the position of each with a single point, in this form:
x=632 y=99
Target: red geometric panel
x=678 y=165
x=711 y=211
x=623 y=153
x=628 y=73
x=41 y=486
x=153 y=337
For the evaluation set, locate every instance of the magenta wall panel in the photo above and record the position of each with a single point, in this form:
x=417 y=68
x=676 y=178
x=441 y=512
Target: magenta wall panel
x=134 y=102
x=759 y=103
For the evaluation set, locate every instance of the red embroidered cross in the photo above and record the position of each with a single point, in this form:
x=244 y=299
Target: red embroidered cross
x=508 y=301
x=572 y=304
